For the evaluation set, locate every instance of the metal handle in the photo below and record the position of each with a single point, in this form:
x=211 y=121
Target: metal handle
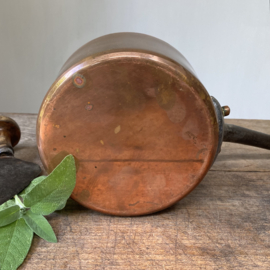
x=10 y=135
x=236 y=134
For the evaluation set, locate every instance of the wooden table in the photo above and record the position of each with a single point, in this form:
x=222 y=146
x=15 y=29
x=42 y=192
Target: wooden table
x=223 y=224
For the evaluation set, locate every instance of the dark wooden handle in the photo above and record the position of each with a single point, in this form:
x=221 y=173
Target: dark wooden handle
x=10 y=135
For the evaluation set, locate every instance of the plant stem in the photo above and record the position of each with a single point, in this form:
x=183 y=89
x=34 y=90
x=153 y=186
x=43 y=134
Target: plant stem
x=19 y=202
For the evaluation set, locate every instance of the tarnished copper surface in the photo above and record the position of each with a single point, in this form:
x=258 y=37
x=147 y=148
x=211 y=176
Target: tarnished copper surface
x=142 y=129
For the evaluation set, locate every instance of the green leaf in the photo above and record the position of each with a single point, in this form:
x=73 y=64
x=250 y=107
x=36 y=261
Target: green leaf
x=52 y=192
x=40 y=226
x=15 y=240
x=34 y=183
x=7 y=204
x=9 y=215
x=62 y=206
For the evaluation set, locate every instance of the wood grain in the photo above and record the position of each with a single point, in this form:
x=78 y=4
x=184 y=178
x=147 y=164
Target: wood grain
x=223 y=224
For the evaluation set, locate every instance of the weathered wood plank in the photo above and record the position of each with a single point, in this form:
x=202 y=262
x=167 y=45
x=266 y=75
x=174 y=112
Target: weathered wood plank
x=223 y=224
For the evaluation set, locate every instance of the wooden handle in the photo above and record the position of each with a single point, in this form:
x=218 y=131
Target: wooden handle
x=10 y=135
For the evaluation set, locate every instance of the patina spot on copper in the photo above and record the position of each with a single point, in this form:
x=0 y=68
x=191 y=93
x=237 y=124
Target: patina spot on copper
x=117 y=129
x=165 y=97
x=84 y=195
x=89 y=107
x=79 y=80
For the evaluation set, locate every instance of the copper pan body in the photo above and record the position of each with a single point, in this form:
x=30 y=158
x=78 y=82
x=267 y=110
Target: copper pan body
x=141 y=126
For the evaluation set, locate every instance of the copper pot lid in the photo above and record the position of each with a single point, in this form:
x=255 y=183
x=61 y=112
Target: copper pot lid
x=141 y=127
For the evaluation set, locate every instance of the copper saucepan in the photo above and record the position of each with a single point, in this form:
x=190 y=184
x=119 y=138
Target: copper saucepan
x=142 y=128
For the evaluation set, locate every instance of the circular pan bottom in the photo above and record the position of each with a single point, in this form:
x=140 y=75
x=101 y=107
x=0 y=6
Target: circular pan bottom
x=142 y=129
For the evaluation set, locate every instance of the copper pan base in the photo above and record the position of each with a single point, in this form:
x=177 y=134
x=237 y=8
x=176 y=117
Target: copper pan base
x=141 y=127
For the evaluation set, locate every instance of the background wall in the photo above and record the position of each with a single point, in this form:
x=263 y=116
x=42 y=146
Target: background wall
x=226 y=41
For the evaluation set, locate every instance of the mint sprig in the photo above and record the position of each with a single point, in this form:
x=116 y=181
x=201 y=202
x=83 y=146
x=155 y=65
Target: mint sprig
x=22 y=216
